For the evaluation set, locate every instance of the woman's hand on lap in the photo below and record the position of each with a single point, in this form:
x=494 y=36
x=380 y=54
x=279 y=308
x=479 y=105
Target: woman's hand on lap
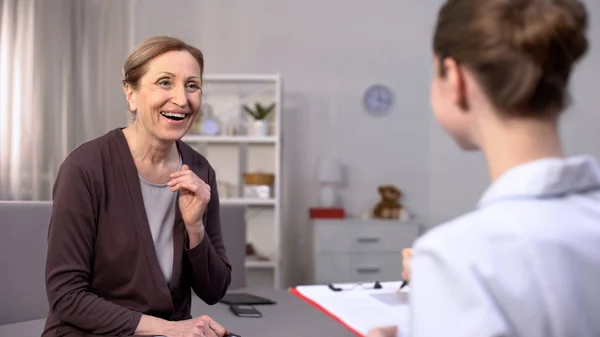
x=202 y=326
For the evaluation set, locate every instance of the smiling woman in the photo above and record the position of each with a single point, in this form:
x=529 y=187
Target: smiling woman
x=164 y=94
x=135 y=223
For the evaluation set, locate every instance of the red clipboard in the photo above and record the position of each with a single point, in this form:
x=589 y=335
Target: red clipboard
x=323 y=310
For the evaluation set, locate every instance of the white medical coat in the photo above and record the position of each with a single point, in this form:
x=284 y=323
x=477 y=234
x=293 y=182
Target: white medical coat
x=525 y=263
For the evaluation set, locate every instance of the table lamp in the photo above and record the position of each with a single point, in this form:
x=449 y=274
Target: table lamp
x=329 y=175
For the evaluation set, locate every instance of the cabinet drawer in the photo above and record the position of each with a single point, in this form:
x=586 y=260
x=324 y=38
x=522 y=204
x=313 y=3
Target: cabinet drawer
x=376 y=267
x=355 y=267
x=371 y=237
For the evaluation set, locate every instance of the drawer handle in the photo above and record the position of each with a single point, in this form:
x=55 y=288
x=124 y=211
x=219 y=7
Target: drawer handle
x=368 y=270
x=367 y=240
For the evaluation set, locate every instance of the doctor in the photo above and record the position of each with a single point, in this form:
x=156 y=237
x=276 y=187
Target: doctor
x=526 y=261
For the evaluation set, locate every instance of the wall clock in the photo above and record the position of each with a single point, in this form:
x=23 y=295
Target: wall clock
x=378 y=100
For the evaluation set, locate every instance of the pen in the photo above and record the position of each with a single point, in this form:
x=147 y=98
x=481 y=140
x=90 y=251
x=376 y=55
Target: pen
x=404 y=284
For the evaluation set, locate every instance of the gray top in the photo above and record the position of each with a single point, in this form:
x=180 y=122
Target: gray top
x=160 y=205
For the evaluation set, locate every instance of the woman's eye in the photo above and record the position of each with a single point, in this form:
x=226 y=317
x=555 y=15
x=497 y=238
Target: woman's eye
x=193 y=86
x=164 y=82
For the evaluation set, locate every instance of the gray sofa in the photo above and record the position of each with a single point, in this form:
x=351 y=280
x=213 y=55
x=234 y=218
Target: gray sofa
x=23 y=231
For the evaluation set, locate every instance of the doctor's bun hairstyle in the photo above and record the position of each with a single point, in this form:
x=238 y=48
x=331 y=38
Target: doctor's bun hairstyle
x=521 y=51
x=136 y=64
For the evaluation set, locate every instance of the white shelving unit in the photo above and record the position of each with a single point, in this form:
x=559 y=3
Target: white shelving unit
x=233 y=153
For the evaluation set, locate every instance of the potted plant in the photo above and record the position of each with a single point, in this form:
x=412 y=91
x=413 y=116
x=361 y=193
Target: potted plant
x=260 y=125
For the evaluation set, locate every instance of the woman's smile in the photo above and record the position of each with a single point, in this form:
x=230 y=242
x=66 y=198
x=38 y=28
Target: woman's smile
x=176 y=117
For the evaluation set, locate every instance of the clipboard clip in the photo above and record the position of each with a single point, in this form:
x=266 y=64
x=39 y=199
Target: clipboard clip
x=364 y=285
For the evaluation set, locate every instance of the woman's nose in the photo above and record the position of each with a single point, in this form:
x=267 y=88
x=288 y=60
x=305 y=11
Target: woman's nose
x=179 y=96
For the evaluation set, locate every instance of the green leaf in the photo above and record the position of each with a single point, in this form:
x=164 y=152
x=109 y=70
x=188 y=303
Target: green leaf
x=250 y=112
x=260 y=111
x=270 y=108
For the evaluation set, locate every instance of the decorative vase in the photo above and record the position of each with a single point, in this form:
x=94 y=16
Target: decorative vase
x=328 y=196
x=260 y=128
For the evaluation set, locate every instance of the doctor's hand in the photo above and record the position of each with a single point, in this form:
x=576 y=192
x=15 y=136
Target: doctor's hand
x=194 y=196
x=383 y=331
x=406 y=257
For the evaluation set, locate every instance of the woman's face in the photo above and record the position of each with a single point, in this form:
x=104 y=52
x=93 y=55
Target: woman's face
x=168 y=96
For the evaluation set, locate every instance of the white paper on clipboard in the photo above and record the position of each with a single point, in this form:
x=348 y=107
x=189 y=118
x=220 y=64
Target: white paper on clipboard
x=363 y=309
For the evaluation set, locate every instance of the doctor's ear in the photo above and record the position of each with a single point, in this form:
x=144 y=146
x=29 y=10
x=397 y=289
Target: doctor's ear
x=455 y=74
x=130 y=96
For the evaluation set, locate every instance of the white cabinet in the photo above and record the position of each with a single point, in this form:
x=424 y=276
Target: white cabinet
x=354 y=250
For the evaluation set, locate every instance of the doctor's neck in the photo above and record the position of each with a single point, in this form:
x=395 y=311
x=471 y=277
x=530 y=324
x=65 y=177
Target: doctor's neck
x=511 y=142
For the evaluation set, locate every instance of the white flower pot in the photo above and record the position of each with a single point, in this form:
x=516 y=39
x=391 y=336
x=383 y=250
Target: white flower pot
x=260 y=128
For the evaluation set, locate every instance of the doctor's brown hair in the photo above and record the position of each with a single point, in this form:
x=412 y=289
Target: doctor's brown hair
x=520 y=51
x=136 y=64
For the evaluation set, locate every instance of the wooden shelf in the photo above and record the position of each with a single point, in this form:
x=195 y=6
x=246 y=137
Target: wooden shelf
x=255 y=264
x=248 y=201
x=230 y=139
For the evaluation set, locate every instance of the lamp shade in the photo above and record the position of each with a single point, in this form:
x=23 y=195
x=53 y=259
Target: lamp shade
x=330 y=171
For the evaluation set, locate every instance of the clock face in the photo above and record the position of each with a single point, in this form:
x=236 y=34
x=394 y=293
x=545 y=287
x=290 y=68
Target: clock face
x=378 y=99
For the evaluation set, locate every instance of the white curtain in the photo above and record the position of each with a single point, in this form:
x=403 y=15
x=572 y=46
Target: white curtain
x=17 y=127
x=60 y=71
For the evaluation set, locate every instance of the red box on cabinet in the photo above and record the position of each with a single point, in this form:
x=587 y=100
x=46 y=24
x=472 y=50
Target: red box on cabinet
x=327 y=213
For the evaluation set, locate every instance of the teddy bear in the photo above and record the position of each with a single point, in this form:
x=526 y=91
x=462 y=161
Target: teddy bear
x=389 y=207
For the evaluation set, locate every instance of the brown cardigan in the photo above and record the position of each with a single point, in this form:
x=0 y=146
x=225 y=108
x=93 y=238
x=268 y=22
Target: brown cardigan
x=102 y=272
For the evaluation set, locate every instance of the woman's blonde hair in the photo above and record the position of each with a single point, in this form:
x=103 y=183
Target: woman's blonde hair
x=136 y=64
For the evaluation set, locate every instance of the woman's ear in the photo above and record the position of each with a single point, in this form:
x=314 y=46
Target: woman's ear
x=456 y=80
x=130 y=96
